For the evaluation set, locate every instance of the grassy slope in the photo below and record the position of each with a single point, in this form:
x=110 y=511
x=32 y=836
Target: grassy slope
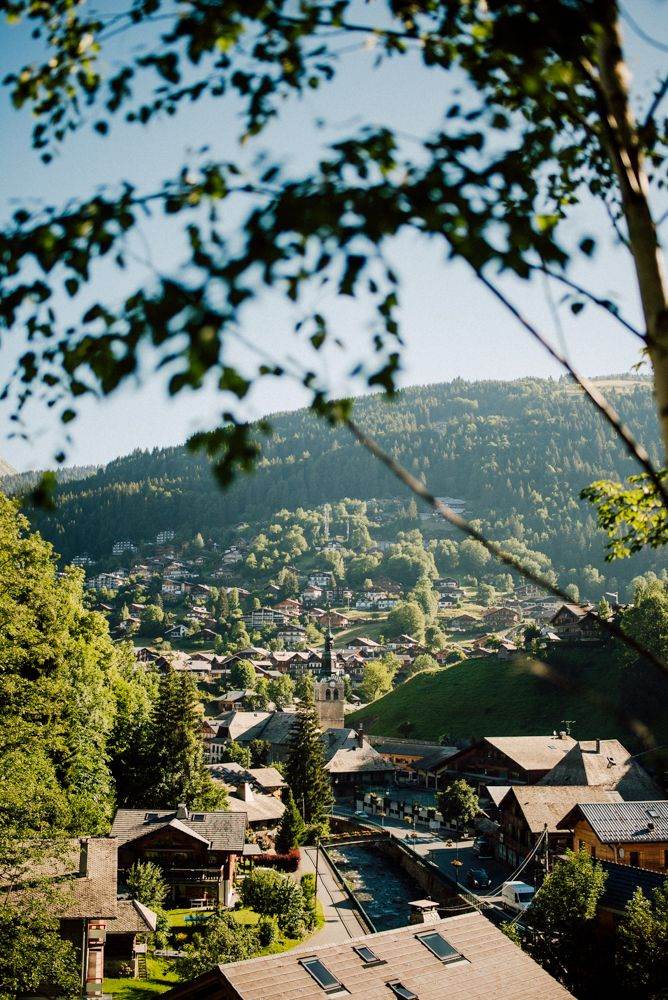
x=490 y=697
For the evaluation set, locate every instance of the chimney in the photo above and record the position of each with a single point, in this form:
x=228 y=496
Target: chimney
x=246 y=792
x=360 y=736
x=597 y=746
x=182 y=811
x=424 y=911
x=562 y=734
x=83 y=856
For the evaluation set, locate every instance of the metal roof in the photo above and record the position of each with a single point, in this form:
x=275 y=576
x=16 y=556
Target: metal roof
x=627 y=822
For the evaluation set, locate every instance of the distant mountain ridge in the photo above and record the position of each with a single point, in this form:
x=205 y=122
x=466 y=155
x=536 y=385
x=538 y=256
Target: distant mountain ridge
x=517 y=453
x=6 y=469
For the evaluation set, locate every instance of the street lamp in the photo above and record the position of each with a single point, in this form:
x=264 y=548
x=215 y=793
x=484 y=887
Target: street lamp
x=457 y=864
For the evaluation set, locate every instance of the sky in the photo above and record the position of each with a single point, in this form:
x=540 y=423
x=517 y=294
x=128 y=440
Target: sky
x=451 y=327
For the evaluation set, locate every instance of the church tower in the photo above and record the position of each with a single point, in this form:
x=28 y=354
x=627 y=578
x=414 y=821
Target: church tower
x=330 y=697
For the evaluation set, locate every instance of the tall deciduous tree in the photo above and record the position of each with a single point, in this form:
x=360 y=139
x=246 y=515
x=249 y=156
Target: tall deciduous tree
x=561 y=920
x=458 y=804
x=305 y=768
x=642 y=945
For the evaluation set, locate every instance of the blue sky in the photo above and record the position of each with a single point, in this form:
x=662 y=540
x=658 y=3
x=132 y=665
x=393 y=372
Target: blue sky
x=450 y=325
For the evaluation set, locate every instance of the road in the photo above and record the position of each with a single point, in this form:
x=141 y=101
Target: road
x=341 y=920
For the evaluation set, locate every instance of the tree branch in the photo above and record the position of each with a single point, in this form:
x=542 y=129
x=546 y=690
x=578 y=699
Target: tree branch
x=602 y=303
x=499 y=553
x=634 y=448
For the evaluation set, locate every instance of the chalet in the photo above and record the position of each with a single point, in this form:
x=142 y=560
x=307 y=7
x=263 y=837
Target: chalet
x=352 y=761
x=573 y=623
x=406 y=643
x=311 y=595
x=322 y=578
x=264 y=616
x=178 y=631
x=123 y=545
x=232 y=700
x=463 y=622
x=526 y=812
x=367 y=647
x=289 y=607
x=333 y=619
x=175 y=588
x=632 y=833
x=166 y=535
x=604 y=764
x=462 y=956
x=497 y=618
x=353 y=666
x=443 y=584
x=509 y=760
x=291 y=634
x=506 y=650
x=412 y=758
x=106 y=581
x=144 y=654
x=82 y=894
x=197 y=851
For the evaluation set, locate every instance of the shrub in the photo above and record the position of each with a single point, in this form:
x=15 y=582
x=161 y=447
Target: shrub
x=281 y=862
x=267 y=931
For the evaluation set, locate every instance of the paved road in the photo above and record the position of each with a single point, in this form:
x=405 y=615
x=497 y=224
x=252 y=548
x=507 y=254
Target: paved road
x=341 y=920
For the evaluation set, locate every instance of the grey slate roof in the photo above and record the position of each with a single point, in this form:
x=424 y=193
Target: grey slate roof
x=627 y=822
x=223 y=831
x=622 y=882
x=132 y=917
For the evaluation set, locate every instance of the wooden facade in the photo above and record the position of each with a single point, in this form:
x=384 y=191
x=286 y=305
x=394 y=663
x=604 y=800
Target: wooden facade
x=190 y=868
x=639 y=854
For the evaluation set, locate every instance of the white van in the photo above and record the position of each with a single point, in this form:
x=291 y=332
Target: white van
x=517 y=896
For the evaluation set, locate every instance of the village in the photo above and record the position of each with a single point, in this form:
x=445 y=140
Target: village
x=420 y=841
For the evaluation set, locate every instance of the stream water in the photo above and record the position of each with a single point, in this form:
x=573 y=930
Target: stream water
x=379 y=883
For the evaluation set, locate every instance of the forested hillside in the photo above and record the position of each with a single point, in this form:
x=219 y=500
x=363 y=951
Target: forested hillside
x=516 y=453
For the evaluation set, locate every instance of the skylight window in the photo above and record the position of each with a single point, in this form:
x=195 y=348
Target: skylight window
x=439 y=947
x=150 y=817
x=402 y=991
x=368 y=956
x=325 y=979
x=197 y=818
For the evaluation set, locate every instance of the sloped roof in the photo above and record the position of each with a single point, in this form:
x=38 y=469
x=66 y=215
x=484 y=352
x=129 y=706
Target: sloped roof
x=497 y=793
x=622 y=882
x=83 y=874
x=605 y=764
x=357 y=760
x=236 y=774
x=626 y=822
x=222 y=831
x=260 y=808
x=544 y=806
x=132 y=917
x=532 y=753
x=492 y=967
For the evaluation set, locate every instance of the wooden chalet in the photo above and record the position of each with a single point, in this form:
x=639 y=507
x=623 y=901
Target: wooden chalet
x=509 y=760
x=197 y=851
x=631 y=833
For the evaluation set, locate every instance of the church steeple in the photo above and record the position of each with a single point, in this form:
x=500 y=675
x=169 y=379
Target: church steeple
x=328 y=656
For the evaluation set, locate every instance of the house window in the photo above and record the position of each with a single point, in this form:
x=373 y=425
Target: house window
x=368 y=956
x=581 y=845
x=634 y=858
x=402 y=991
x=439 y=947
x=593 y=851
x=325 y=979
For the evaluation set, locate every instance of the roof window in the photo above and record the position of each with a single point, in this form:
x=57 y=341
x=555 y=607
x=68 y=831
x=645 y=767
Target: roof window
x=368 y=956
x=197 y=818
x=402 y=991
x=441 y=948
x=150 y=817
x=325 y=979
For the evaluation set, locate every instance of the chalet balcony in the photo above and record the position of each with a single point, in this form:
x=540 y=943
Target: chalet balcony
x=177 y=876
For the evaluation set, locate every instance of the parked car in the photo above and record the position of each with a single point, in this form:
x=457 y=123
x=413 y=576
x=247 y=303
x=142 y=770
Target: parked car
x=517 y=896
x=478 y=878
x=482 y=848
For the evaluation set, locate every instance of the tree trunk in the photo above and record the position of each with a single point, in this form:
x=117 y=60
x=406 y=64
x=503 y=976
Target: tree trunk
x=627 y=159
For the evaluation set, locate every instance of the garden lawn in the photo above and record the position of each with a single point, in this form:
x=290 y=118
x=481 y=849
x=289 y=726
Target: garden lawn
x=160 y=979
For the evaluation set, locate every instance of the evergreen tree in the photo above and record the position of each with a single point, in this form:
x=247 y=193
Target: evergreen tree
x=305 y=770
x=177 y=759
x=291 y=828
